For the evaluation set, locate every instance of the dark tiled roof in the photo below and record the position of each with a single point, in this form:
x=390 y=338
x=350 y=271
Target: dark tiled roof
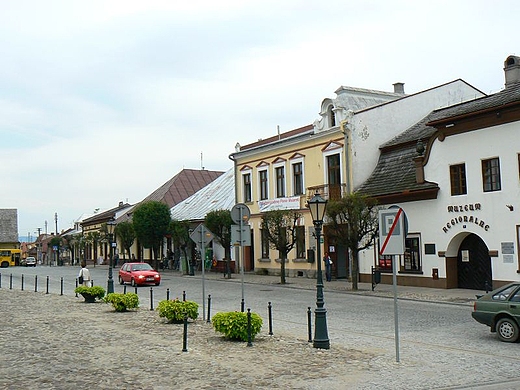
x=8 y=225
x=509 y=95
x=276 y=138
x=182 y=185
x=105 y=215
x=395 y=173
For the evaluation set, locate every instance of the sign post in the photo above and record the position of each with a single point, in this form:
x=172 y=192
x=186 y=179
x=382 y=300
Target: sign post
x=240 y=214
x=202 y=237
x=392 y=232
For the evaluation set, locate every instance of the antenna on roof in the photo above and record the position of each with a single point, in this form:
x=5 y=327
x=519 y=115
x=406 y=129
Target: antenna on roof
x=201 y=162
x=278 y=128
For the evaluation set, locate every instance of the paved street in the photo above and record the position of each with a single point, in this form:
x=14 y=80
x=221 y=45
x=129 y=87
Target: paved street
x=441 y=346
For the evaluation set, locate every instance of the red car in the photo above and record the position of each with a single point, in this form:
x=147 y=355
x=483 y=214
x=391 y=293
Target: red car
x=138 y=274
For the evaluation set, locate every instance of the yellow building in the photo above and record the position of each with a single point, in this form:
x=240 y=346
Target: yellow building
x=286 y=170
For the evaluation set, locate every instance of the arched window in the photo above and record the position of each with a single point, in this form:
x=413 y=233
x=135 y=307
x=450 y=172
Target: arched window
x=332 y=116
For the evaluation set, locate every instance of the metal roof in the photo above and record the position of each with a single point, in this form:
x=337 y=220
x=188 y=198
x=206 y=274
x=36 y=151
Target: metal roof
x=217 y=195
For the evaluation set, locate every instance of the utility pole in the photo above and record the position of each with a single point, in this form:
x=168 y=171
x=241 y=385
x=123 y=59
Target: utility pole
x=56 y=220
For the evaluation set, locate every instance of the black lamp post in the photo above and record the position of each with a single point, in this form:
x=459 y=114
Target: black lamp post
x=317 y=206
x=110 y=229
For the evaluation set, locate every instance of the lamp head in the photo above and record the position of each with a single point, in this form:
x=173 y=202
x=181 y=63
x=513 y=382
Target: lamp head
x=111 y=224
x=317 y=206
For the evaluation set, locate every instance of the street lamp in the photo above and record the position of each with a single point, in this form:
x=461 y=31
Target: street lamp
x=317 y=206
x=110 y=229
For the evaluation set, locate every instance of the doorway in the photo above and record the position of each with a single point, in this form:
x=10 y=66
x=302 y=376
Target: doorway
x=473 y=264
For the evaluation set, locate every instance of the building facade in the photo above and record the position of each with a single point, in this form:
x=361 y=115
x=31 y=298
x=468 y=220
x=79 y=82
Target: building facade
x=333 y=157
x=456 y=175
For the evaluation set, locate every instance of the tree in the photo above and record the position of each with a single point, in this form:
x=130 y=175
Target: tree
x=151 y=221
x=279 y=227
x=94 y=238
x=354 y=223
x=180 y=232
x=126 y=234
x=219 y=223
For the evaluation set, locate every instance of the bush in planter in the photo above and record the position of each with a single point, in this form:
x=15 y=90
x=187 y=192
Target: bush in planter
x=174 y=310
x=93 y=292
x=122 y=302
x=234 y=325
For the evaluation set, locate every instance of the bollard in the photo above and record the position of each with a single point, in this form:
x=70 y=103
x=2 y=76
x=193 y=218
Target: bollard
x=249 y=343
x=185 y=334
x=270 y=312
x=167 y=294
x=151 y=298
x=184 y=296
x=47 y=285
x=22 y=282
x=209 y=308
x=77 y=284
x=35 y=283
x=124 y=289
x=61 y=286
x=10 y=281
x=135 y=288
x=242 y=305
x=309 y=323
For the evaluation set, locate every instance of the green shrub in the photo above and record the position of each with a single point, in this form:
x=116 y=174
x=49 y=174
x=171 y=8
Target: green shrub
x=174 y=310
x=234 y=325
x=94 y=291
x=123 y=302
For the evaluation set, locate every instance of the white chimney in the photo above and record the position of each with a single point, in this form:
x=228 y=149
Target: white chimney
x=399 y=88
x=512 y=70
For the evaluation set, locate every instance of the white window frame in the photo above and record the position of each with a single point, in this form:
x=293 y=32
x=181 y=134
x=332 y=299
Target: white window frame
x=293 y=162
x=281 y=164
x=244 y=173
x=262 y=169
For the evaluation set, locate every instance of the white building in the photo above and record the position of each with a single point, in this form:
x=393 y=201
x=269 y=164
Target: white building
x=456 y=174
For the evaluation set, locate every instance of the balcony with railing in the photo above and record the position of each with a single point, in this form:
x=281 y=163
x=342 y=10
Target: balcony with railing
x=328 y=191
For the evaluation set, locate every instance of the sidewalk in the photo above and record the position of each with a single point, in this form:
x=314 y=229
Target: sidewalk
x=456 y=296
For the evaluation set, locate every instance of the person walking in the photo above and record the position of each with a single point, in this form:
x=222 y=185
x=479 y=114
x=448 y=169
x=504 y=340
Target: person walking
x=84 y=275
x=328 y=267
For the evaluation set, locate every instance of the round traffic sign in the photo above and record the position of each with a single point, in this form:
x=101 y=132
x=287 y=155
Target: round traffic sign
x=240 y=213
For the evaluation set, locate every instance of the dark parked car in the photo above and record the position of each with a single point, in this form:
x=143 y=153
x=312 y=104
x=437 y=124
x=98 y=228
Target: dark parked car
x=500 y=310
x=138 y=274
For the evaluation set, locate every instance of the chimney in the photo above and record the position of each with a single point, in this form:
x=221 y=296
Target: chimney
x=399 y=88
x=512 y=70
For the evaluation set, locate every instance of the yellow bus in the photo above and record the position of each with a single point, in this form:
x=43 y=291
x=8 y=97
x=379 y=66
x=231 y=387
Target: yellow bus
x=10 y=257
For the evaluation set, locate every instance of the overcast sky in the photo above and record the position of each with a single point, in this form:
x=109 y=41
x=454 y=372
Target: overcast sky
x=104 y=101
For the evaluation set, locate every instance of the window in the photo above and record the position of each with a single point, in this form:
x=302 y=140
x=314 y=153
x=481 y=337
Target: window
x=280 y=182
x=332 y=116
x=458 y=179
x=247 y=187
x=265 y=244
x=298 y=178
x=385 y=262
x=491 y=175
x=263 y=185
x=412 y=254
x=300 y=242
x=334 y=176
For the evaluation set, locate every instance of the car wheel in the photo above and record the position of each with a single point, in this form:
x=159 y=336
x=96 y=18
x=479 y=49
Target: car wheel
x=132 y=282
x=121 y=281
x=507 y=330
x=157 y=283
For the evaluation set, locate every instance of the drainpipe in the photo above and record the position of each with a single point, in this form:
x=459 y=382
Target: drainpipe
x=348 y=152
